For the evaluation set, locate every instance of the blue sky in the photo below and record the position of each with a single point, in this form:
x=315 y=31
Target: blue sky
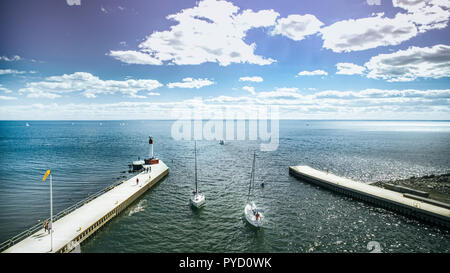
x=122 y=59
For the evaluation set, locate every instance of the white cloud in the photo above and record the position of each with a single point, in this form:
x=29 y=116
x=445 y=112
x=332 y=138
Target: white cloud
x=280 y=93
x=88 y=84
x=134 y=57
x=136 y=96
x=73 y=2
x=408 y=65
x=279 y=96
x=353 y=96
x=297 y=27
x=103 y=9
x=12 y=59
x=410 y=5
x=4 y=89
x=7 y=98
x=365 y=33
x=361 y=34
x=190 y=83
x=373 y=2
x=349 y=69
x=250 y=89
x=153 y=94
x=12 y=71
x=43 y=94
x=286 y=89
x=426 y=14
x=312 y=73
x=212 y=31
x=251 y=79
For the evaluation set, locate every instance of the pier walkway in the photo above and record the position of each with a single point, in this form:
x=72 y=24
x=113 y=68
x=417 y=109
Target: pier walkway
x=72 y=229
x=388 y=199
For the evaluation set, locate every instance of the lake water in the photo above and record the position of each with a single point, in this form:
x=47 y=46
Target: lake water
x=87 y=156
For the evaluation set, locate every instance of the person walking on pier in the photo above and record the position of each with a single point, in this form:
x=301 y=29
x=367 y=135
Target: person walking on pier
x=137 y=181
x=46 y=226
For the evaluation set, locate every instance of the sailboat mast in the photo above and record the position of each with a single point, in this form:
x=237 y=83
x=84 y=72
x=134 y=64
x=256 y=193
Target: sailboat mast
x=253 y=168
x=252 y=176
x=195 y=152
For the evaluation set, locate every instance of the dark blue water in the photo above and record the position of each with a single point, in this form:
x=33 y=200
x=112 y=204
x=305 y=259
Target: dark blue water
x=86 y=156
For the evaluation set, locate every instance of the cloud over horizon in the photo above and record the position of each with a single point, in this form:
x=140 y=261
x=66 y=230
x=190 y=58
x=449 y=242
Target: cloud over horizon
x=191 y=83
x=297 y=27
x=10 y=59
x=89 y=85
x=410 y=64
x=392 y=103
x=251 y=79
x=213 y=31
x=312 y=73
x=73 y=2
x=349 y=69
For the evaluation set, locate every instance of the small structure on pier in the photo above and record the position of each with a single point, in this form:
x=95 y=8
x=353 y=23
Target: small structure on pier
x=138 y=165
x=151 y=160
x=147 y=162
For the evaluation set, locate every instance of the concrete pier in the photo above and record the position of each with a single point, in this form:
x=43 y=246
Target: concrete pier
x=75 y=227
x=385 y=198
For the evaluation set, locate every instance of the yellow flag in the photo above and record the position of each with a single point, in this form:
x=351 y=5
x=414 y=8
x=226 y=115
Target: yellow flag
x=46 y=174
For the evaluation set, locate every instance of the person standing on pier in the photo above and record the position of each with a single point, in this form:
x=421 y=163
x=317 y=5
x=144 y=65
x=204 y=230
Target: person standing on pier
x=46 y=226
x=137 y=181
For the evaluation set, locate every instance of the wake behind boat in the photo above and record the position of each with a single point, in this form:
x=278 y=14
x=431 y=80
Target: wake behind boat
x=197 y=199
x=253 y=214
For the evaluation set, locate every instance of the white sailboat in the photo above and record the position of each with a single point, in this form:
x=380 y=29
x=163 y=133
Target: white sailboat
x=253 y=214
x=197 y=199
x=27 y=124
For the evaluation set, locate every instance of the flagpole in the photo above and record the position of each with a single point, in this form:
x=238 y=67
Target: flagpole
x=51 y=215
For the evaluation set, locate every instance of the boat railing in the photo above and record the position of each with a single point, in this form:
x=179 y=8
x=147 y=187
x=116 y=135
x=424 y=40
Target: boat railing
x=19 y=237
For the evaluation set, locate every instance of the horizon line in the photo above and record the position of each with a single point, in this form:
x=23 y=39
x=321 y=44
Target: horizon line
x=285 y=119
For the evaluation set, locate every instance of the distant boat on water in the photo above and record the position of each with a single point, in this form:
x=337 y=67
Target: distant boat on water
x=221 y=142
x=27 y=124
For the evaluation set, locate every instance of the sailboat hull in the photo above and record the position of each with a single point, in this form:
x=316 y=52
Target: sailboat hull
x=197 y=200
x=251 y=217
